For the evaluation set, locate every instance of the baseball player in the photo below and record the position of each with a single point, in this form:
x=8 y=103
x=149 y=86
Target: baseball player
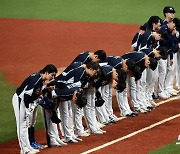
x=24 y=104
x=110 y=77
x=89 y=109
x=129 y=67
x=143 y=61
x=77 y=77
x=86 y=57
x=148 y=80
x=137 y=38
x=150 y=39
x=177 y=69
x=166 y=66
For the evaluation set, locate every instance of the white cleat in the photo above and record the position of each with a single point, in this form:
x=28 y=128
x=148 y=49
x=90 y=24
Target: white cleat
x=77 y=139
x=71 y=140
x=103 y=131
x=163 y=96
x=175 y=91
x=61 y=142
x=29 y=152
x=84 y=134
x=97 y=132
x=154 y=104
x=54 y=143
x=100 y=125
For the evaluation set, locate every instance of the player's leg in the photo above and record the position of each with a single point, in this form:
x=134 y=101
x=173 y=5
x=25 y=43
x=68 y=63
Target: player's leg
x=101 y=111
x=64 y=111
x=16 y=105
x=162 y=68
x=170 y=77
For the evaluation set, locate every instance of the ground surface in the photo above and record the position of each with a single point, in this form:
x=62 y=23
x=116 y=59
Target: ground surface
x=28 y=45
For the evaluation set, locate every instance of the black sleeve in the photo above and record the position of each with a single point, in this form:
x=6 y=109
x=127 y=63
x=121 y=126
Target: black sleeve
x=27 y=100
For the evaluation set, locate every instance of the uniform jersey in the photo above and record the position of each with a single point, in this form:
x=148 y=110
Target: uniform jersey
x=105 y=77
x=71 y=67
x=148 y=41
x=136 y=40
x=114 y=61
x=76 y=77
x=30 y=89
x=149 y=52
x=83 y=57
x=65 y=92
x=169 y=42
x=137 y=56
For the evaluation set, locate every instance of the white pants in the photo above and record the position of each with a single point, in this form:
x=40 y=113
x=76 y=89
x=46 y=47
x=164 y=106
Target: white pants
x=107 y=96
x=136 y=92
x=51 y=127
x=101 y=111
x=77 y=118
x=162 y=69
x=151 y=78
x=22 y=123
x=65 y=109
x=123 y=103
x=178 y=70
x=170 y=74
x=89 y=111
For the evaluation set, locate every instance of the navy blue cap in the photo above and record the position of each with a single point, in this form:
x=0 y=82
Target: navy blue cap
x=169 y=9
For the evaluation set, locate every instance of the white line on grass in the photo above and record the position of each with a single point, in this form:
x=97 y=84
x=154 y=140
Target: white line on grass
x=136 y=132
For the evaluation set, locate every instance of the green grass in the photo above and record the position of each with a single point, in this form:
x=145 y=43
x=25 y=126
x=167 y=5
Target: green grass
x=115 y=11
x=7 y=118
x=168 y=149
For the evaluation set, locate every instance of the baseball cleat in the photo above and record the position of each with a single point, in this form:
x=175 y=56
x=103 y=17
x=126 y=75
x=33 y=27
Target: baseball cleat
x=154 y=104
x=54 y=143
x=97 y=132
x=71 y=140
x=77 y=139
x=103 y=131
x=84 y=134
x=61 y=142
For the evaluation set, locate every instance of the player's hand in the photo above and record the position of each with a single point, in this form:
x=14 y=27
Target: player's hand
x=51 y=88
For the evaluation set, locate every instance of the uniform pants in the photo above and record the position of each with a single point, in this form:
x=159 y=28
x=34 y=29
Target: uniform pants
x=89 y=111
x=162 y=71
x=52 y=127
x=107 y=96
x=123 y=103
x=101 y=111
x=178 y=70
x=133 y=92
x=66 y=121
x=21 y=123
x=77 y=118
x=170 y=74
x=151 y=78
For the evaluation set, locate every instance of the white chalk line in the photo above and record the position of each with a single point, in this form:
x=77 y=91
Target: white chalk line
x=136 y=132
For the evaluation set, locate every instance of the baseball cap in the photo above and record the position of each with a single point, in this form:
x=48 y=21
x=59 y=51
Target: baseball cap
x=169 y=9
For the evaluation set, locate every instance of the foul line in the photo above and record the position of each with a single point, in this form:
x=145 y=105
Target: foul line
x=136 y=132
x=168 y=100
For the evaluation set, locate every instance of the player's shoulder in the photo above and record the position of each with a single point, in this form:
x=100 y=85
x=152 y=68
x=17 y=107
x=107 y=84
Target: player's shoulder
x=35 y=77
